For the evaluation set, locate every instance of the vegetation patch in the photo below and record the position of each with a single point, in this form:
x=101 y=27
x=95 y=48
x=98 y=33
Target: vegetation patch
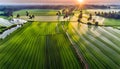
x=37 y=45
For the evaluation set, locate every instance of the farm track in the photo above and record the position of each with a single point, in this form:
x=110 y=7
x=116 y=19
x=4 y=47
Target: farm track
x=37 y=46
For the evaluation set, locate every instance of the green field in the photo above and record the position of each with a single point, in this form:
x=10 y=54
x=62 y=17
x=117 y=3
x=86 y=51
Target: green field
x=36 y=12
x=99 y=46
x=109 y=21
x=50 y=12
x=37 y=45
x=46 y=45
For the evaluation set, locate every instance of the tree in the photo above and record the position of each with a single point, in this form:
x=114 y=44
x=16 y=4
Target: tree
x=30 y=16
x=66 y=14
x=80 y=17
x=90 y=17
x=58 y=13
x=8 y=12
x=33 y=16
x=98 y=14
x=27 y=13
x=95 y=13
x=18 y=16
x=96 y=23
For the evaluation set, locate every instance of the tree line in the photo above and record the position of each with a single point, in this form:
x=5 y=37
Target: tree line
x=111 y=14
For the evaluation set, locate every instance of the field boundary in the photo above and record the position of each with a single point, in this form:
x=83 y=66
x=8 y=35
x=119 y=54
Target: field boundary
x=82 y=60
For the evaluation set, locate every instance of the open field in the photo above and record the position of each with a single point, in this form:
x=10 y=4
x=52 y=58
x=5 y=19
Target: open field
x=43 y=43
x=50 y=15
x=37 y=46
x=112 y=22
x=99 y=45
x=37 y=12
x=107 y=21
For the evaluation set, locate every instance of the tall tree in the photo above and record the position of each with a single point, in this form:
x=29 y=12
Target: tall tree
x=27 y=13
x=80 y=16
x=33 y=16
x=18 y=16
x=90 y=17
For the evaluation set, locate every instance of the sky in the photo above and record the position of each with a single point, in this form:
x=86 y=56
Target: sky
x=59 y=1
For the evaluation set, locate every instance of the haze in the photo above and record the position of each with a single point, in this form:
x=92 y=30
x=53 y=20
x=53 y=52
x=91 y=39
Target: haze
x=58 y=1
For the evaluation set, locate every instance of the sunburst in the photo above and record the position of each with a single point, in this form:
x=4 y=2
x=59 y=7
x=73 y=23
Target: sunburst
x=80 y=1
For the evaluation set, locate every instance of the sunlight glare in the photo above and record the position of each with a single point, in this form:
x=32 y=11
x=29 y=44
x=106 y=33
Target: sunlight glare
x=80 y=1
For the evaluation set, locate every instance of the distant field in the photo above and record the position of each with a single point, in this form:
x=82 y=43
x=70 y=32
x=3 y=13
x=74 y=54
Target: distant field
x=37 y=45
x=109 y=21
x=49 y=12
x=37 y=12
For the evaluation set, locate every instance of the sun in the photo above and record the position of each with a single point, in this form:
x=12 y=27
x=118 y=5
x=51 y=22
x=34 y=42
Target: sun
x=80 y=1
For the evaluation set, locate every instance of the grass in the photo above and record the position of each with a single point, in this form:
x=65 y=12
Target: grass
x=36 y=12
x=115 y=23
x=37 y=45
x=109 y=21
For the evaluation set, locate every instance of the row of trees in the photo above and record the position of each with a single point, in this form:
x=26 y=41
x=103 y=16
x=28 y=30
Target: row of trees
x=81 y=16
x=68 y=12
x=113 y=14
x=9 y=13
x=27 y=14
x=65 y=13
x=30 y=16
x=89 y=19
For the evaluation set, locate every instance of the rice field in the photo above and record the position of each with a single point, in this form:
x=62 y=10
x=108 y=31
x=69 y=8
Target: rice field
x=36 y=12
x=46 y=43
x=37 y=45
x=99 y=45
x=112 y=22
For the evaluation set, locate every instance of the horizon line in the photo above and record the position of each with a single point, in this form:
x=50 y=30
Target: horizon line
x=58 y=4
